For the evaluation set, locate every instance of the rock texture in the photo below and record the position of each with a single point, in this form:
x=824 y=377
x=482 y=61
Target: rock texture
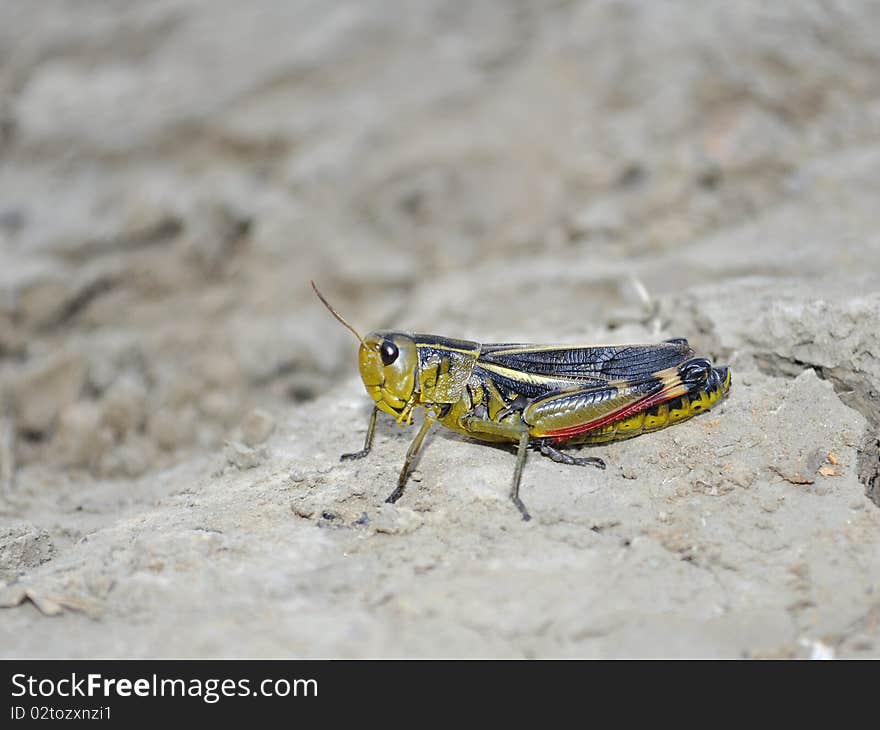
x=173 y=399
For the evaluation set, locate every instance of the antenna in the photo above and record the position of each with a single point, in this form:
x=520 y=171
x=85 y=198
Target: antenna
x=337 y=315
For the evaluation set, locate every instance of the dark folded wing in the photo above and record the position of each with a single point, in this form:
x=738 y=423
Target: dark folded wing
x=582 y=365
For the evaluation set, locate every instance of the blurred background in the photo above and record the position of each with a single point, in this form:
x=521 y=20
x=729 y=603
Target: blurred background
x=174 y=172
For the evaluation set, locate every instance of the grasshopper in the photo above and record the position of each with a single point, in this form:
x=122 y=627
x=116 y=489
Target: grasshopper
x=543 y=396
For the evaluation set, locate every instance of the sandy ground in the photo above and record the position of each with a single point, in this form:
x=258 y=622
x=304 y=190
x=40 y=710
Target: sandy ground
x=174 y=399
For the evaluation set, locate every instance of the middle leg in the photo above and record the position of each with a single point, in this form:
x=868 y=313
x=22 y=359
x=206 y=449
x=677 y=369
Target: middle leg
x=518 y=432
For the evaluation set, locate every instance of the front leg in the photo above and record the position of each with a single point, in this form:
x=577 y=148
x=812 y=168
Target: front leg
x=368 y=441
x=411 y=454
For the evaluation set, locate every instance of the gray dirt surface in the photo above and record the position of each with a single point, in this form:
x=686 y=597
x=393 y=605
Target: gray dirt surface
x=174 y=400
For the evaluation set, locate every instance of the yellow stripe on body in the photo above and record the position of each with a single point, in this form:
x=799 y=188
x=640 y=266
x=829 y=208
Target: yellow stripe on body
x=537 y=379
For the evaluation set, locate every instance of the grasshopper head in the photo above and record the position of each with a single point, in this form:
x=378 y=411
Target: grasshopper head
x=389 y=367
x=389 y=363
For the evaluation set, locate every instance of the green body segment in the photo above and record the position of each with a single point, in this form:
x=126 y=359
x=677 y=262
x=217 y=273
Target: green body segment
x=446 y=367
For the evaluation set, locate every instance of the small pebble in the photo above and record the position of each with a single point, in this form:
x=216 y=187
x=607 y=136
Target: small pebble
x=257 y=427
x=244 y=457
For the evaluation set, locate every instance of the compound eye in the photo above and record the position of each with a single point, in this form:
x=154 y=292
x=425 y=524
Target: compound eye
x=388 y=352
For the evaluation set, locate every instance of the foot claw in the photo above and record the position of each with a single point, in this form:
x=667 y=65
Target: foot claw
x=562 y=458
x=394 y=496
x=354 y=455
x=522 y=509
